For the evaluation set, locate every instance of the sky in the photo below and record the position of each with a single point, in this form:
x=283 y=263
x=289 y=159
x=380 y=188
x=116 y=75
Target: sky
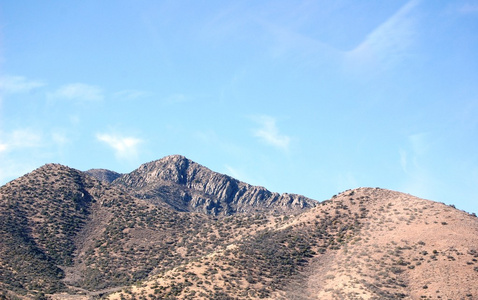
x=306 y=97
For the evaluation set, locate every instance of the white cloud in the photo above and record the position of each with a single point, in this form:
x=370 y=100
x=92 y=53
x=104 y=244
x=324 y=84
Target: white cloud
x=131 y=94
x=269 y=133
x=387 y=44
x=11 y=166
x=124 y=147
x=20 y=138
x=18 y=84
x=11 y=169
x=404 y=160
x=78 y=91
x=419 y=180
x=418 y=146
x=419 y=143
x=237 y=174
x=24 y=149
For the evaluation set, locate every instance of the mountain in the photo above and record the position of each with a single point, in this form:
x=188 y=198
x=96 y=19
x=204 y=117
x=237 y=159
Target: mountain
x=65 y=231
x=65 y=234
x=188 y=186
x=103 y=174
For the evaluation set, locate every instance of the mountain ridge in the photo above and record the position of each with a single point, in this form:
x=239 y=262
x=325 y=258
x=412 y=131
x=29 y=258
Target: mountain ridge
x=67 y=235
x=204 y=190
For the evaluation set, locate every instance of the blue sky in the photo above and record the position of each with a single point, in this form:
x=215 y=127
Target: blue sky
x=307 y=97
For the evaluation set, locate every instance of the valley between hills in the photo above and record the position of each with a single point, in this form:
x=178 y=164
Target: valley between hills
x=173 y=229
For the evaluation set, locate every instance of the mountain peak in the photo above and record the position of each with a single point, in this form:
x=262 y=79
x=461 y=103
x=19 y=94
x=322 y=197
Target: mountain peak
x=174 y=157
x=189 y=186
x=47 y=171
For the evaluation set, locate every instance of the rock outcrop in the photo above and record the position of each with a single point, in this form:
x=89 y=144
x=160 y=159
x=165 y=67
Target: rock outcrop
x=188 y=186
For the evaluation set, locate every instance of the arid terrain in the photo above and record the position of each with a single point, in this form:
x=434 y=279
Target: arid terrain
x=173 y=229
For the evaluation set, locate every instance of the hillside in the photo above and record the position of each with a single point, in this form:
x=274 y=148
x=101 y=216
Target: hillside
x=406 y=248
x=173 y=229
x=363 y=244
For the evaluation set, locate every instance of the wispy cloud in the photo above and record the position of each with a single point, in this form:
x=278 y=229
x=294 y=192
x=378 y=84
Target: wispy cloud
x=237 y=174
x=59 y=137
x=24 y=149
x=269 y=133
x=469 y=8
x=387 y=44
x=11 y=168
x=294 y=45
x=131 y=94
x=417 y=147
x=78 y=91
x=210 y=137
x=11 y=143
x=18 y=84
x=419 y=143
x=20 y=138
x=226 y=23
x=176 y=98
x=403 y=160
x=346 y=180
x=419 y=180
x=240 y=173
x=125 y=147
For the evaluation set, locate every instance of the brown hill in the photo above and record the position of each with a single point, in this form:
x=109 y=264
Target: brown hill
x=67 y=235
x=363 y=244
x=66 y=231
x=406 y=248
x=40 y=215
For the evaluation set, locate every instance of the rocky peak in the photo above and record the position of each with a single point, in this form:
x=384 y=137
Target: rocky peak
x=189 y=186
x=170 y=168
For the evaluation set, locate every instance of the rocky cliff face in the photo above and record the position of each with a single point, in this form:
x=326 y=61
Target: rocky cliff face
x=188 y=186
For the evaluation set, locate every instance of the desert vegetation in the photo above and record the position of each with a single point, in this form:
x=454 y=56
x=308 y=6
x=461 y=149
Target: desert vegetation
x=66 y=234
